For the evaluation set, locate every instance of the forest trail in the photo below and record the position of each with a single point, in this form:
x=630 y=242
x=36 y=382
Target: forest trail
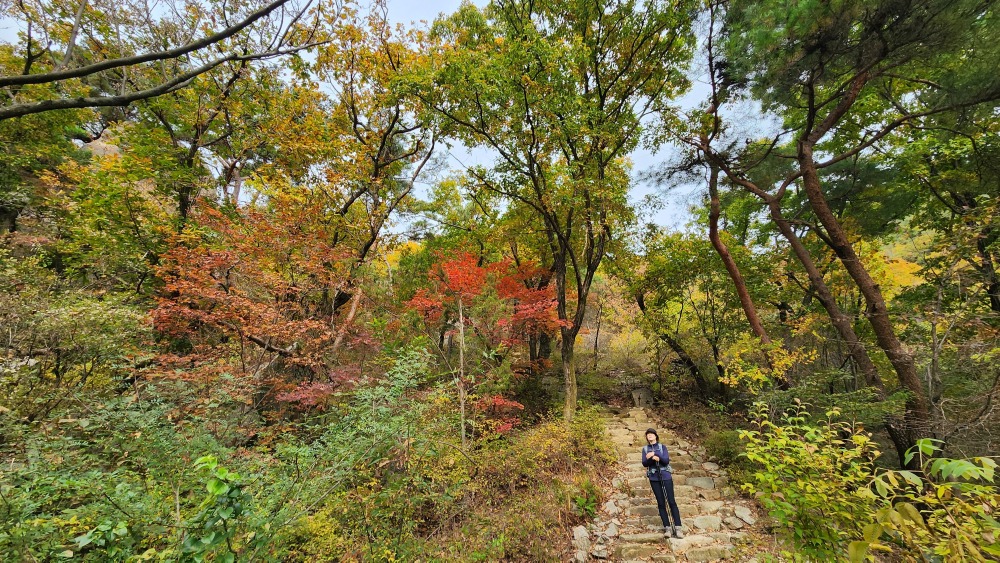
x=716 y=520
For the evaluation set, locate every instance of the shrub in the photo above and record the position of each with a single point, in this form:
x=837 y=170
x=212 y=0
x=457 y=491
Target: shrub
x=808 y=476
x=820 y=484
x=946 y=511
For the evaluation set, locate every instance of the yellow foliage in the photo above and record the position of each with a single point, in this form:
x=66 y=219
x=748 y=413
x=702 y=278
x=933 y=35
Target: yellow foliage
x=755 y=367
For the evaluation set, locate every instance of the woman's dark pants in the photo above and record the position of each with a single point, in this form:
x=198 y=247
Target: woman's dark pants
x=659 y=487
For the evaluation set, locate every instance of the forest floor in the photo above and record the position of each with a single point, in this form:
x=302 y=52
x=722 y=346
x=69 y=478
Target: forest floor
x=718 y=523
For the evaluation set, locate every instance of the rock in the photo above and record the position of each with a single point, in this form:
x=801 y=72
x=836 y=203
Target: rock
x=701 y=482
x=612 y=531
x=665 y=557
x=743 y=513
x=709 y=553
x=642 y=397
x=709 y=494
x=600 y=552
x=580 y=557
x=734 y=523
x=581 y=540
x=709 y=466
x=710 y=506
x=690 y=541
x=635 y=551
x=643 y=538
x=611 y=508
x=710 y=523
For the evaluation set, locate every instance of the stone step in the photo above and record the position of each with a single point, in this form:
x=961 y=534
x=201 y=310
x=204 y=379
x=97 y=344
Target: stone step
x=644 y=538
x=690 y=540
x=635 y=550
x=709 y=553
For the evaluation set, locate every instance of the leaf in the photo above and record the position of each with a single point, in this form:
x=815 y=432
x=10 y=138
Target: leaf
x=857 y=550
x=911 y=513
x=911 y=478
x=872 y=532
x=881 y=488
x=217 y=487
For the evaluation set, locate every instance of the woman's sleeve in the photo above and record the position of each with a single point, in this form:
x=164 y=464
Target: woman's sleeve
x=642 y=458
x=665 y=458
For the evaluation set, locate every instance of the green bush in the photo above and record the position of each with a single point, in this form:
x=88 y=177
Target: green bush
x=726 y=447
x=946 y=511
x=819 y=483
x=808 y=476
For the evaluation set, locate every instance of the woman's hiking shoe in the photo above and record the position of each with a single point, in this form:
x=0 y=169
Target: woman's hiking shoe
x=678 y=533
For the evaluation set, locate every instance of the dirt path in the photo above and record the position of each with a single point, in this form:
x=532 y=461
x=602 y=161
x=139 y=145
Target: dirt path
x=716 y=520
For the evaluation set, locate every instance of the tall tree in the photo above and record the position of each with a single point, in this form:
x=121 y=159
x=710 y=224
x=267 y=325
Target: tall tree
x=100 y=53
x=843 y=77
x=559 y=89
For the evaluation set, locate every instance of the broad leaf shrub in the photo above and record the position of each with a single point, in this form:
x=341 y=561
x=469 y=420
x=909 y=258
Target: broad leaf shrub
x=947 y=510
x=819 y=483
x=807 y=477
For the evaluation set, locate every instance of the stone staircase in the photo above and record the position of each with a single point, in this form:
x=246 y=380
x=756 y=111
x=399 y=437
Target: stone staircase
x=715 y=519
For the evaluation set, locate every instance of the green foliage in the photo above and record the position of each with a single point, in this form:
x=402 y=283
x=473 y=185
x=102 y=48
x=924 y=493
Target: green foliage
x=726 y=447
x=820 y=484
x=213 y=531
x=807 y=477
x=945 y=511
x=585 y=502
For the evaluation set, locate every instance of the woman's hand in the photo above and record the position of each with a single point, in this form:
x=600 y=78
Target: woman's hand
x=656 y=458
x=648 y=455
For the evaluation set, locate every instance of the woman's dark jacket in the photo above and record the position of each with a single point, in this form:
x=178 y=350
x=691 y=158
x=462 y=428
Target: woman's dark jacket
x=656 y=471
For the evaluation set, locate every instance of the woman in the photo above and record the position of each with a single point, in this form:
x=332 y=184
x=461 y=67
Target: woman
x=656 y=460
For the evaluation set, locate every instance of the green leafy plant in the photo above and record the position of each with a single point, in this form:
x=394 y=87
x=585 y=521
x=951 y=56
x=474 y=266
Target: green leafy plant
x=214 y=531
x=586 y=499
x=944 y=512
x=111 y=537
x=807 y=476
x=818 y=481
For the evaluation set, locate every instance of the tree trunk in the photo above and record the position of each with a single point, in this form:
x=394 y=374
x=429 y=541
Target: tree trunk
x=461 y=368
x=569 y=372
x=746 y=301
x=597 y=333
x=901 y=438
x=917 y=417
x=734 y=270
x=544 y=346
x=840 y=321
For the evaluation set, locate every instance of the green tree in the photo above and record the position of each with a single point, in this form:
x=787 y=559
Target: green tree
x=98 y=53
x=559 y=90
x=843 y=77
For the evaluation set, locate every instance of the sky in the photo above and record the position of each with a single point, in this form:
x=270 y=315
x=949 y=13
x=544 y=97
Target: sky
x=676 y=201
